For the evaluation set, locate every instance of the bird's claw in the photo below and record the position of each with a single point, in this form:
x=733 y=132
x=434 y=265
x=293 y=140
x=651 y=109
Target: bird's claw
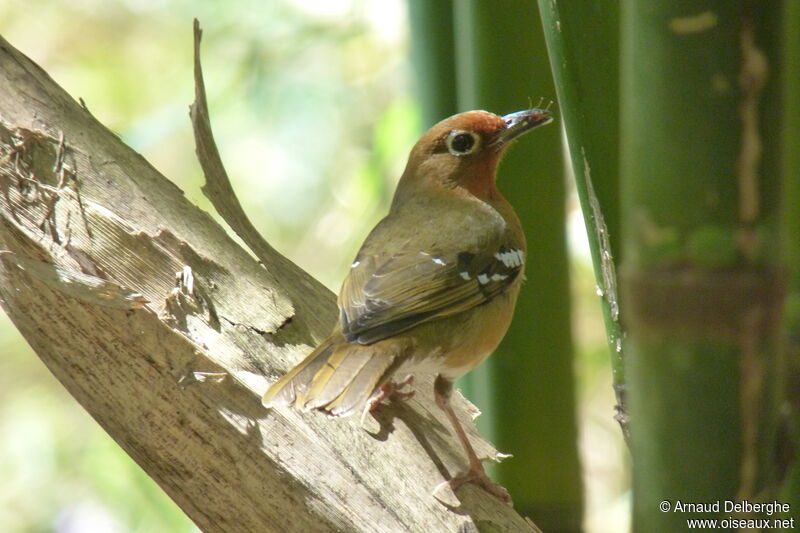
x=476 y=477
x=391 y=390
x=388 y=391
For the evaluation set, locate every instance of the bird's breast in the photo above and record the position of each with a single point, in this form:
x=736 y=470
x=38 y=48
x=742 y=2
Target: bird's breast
x=455 y=345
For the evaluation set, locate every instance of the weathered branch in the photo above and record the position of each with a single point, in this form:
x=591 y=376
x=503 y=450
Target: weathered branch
x=92 y=237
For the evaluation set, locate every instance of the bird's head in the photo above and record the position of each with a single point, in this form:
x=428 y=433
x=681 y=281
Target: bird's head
x=463 y=151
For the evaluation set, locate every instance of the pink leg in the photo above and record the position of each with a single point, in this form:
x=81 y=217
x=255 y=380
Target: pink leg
x=443 y=388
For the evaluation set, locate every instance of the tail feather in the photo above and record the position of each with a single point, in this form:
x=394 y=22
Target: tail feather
x=295 y=383
x=337 y=377
x=363 y=384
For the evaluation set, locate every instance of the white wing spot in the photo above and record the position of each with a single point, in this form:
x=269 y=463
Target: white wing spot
x=438 y=261
x=465 y=275
x=483 y=279
x=511 y=258
x=355 y=264
x=499 y=277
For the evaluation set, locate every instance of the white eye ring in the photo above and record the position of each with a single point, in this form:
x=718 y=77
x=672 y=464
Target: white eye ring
x=460 y=142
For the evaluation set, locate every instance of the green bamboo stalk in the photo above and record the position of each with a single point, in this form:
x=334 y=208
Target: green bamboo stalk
x=791 y=232
x=700 y=170
x=583 y=45
x=432 y=50
x=502 y=66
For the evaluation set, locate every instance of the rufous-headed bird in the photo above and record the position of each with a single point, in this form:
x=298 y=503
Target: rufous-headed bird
x=434 y=285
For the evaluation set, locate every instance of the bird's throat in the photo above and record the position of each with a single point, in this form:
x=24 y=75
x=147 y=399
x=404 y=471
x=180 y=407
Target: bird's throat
x=482 y=185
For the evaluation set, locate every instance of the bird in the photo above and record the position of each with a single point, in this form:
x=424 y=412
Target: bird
x=433 y=287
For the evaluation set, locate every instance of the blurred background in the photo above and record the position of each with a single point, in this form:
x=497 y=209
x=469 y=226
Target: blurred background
x=314 y=106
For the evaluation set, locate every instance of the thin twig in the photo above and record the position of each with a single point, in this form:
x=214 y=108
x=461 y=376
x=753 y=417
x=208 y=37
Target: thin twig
x=218 y=188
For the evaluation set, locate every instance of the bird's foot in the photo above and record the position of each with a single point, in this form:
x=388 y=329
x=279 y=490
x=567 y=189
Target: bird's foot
x=483 y=481
x=390 y=390
x=396 y=392
x=476 y=476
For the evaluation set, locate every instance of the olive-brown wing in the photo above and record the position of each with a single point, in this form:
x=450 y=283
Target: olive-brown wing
x=386 y=295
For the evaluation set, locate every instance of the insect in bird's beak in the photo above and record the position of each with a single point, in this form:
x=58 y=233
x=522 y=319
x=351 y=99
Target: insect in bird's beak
x=519 y=123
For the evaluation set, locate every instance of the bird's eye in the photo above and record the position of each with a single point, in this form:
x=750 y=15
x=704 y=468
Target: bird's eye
x=462 y=142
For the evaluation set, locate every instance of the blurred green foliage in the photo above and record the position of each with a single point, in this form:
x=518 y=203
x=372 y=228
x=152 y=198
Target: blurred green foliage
x=312 y=108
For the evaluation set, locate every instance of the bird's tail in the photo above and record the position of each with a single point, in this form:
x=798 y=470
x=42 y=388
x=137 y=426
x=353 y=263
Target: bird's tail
x=337 y=377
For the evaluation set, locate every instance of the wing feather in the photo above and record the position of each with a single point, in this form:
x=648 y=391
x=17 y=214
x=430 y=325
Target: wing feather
x=385 y=295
